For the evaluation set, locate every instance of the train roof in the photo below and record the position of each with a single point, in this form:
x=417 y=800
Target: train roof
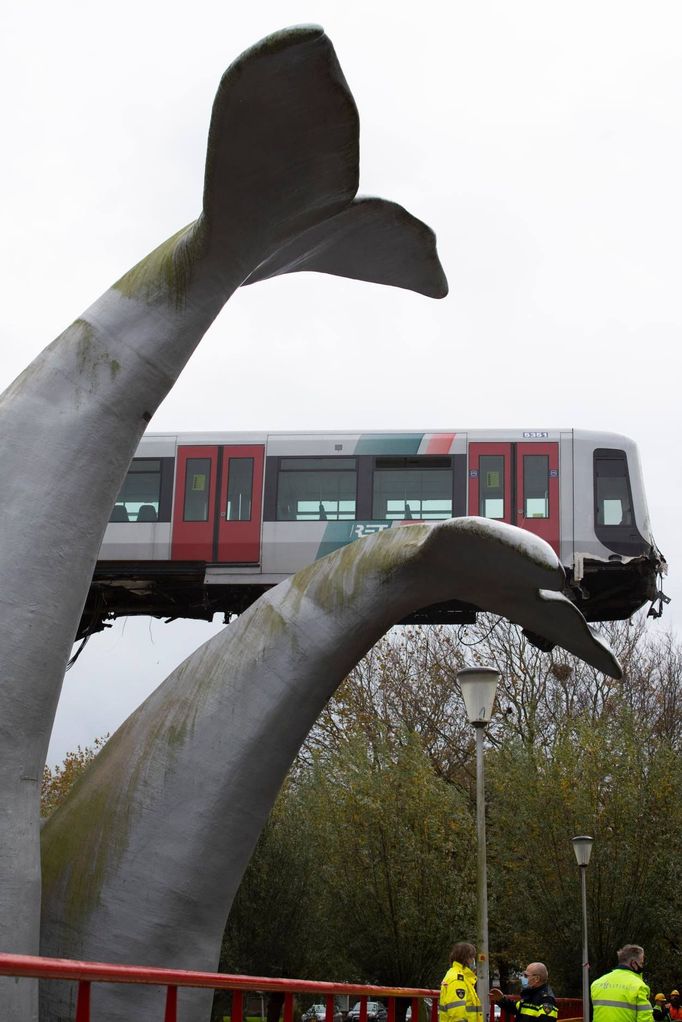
x=508 y=433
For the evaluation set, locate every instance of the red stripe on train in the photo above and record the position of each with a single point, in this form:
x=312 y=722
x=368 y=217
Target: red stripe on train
x=440 y=444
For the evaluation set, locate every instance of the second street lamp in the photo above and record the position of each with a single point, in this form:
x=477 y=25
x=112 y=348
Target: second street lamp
x=582 y=846
x=479 y=686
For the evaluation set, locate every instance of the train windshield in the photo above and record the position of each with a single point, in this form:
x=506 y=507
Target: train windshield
x=612 y=488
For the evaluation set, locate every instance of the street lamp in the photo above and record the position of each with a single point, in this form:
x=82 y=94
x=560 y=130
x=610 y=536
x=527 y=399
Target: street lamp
x=478 y=686
x=582 y=846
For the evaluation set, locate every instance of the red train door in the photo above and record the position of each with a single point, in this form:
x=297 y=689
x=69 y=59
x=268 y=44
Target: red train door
x=217 y=508
x=517 y=484
x=194 y=504
x=537 y=490
x=241 y=491
x=490 y=479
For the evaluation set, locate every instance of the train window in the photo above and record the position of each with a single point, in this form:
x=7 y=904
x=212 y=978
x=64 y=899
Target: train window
x=239 y=487
x=406 y=488
x=316 y=489
x=139 y=497
x=612 y=488
x=491 y=486
x=536 y=486
x=197 y=485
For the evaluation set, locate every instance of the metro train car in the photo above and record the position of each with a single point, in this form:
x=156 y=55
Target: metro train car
x=206 y=522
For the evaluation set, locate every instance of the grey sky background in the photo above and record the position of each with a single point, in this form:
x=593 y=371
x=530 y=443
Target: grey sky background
x=542 y=142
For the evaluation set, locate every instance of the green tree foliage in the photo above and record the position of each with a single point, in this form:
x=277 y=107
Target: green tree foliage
x=577 y=752
x=396 y=859
x=386 y=785
x=406 y=683
x=600 y=778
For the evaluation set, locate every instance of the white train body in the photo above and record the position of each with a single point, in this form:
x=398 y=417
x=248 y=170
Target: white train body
x=206 y=522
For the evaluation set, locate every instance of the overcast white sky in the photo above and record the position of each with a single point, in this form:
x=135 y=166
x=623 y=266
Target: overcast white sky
x=541 y=141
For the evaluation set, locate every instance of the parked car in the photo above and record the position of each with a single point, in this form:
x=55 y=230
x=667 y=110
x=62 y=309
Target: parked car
x=408 y=1013
x=376 y=1012
x=318 y=1013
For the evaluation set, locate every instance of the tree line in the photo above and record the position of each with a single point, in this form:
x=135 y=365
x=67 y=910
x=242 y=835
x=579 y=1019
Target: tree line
x=366 y=869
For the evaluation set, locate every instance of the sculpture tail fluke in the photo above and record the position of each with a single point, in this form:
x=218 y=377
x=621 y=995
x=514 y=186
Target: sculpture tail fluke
x=282 y=148
x=282 y=171
x=372 y=240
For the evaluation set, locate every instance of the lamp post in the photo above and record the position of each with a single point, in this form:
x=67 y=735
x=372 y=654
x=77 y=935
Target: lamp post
x=582 y=846
x=478 y=686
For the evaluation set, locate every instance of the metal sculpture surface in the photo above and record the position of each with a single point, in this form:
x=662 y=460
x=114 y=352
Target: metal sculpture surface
x=281 y=176
x=143 y=859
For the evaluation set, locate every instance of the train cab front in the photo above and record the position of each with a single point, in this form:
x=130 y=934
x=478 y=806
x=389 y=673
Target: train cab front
x=615 y=567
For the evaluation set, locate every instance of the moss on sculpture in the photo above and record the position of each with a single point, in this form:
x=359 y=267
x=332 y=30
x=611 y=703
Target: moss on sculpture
x=168 y=269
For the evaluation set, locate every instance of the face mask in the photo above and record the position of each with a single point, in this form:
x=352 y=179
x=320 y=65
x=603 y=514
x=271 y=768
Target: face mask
x=472 y=965
x=524 y=982
x=636 y=967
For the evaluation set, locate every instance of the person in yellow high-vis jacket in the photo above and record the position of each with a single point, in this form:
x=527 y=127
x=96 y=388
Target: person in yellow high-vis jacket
x=622 y=995
x=459 y=1001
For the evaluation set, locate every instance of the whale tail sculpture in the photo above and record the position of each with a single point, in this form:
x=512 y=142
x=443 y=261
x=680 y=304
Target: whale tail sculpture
x=144 y=857
x=281 y=177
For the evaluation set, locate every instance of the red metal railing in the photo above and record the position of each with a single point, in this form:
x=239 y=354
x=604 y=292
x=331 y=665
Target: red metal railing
x=570 y=1009
x=86 y=973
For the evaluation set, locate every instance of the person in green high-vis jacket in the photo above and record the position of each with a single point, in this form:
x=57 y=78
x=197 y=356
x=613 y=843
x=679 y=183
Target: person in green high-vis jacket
x=622 y=995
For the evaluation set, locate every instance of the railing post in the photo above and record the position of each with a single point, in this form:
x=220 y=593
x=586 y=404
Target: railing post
x=391 y=1010
x=416 y=1009
x=329 y=1009
x=434 y=1010
x=363 y=1009
x=289 y=1007
x=171 y=1014
x=83 y=1002
x=237 y=1006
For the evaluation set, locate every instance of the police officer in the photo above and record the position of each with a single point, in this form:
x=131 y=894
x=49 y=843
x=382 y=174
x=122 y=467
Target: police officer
x=537 y=998
x=621 y=992
x=459 y=1001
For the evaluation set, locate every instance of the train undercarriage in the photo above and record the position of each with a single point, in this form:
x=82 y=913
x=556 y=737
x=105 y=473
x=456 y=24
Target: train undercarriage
x=604 y=591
